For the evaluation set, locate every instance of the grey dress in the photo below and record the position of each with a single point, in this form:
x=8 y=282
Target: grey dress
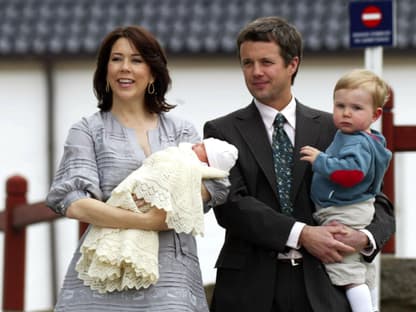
x=98 y=154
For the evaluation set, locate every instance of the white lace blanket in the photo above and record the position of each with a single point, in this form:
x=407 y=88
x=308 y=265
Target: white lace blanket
x=118 y=259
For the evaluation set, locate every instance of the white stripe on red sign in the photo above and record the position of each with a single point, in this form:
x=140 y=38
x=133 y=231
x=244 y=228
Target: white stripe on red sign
x=371 y=16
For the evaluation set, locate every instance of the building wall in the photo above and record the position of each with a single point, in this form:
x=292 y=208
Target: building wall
x=203 y=89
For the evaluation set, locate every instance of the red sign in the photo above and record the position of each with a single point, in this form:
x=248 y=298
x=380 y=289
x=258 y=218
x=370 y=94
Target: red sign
x=371 y=16
x=371 y=23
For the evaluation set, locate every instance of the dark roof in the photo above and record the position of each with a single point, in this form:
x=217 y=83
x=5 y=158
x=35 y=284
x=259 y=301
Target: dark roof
x=75 y=27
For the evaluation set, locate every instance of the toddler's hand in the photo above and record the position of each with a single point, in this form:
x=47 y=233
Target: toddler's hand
x=309 y=153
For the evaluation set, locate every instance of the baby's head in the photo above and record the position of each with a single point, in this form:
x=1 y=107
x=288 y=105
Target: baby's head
x=217 y=153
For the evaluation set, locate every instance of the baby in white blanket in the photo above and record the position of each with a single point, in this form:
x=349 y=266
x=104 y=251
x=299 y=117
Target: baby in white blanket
x=171 y=179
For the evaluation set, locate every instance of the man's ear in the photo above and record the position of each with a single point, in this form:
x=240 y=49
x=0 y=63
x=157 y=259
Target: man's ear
x=294 y=64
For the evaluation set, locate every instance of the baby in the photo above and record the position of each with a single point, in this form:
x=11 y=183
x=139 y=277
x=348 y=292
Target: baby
x=170 y=179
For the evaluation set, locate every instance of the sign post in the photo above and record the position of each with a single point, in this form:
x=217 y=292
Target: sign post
x=372 y=27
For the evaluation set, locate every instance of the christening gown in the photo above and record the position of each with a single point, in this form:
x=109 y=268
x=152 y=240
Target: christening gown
x=98 y=154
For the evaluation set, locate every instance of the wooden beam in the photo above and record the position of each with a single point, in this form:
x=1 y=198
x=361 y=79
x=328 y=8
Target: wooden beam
x=25 y=215
x=404 y=138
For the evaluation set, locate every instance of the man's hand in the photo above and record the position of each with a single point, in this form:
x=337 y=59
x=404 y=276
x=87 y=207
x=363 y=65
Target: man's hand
x=320 y=242
x=356 y=239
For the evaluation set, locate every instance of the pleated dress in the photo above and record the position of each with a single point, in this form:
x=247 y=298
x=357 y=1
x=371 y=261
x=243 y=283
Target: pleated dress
x=99 y=153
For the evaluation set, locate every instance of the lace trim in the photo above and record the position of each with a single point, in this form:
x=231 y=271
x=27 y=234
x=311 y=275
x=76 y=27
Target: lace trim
x=119 y=259
x=114 y=259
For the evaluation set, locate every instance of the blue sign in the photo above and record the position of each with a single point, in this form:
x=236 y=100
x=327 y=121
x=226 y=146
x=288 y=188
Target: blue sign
x=371 y=23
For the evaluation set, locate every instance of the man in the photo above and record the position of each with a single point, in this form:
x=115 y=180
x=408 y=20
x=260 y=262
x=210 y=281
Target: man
x=272 y=259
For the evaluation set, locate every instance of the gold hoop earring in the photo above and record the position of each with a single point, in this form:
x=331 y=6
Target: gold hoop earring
x=151 y=88
x=107 y=87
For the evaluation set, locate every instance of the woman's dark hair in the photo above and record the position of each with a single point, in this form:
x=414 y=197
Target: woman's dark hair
x=152 y=54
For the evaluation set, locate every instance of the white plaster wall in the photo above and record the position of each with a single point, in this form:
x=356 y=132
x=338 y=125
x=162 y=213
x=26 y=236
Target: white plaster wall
x=400 y=73
x=203 y=89
x=23 y=151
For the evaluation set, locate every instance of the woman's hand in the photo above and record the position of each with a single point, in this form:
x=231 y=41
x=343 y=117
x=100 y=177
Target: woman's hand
x=156 y=219
x=140 y=202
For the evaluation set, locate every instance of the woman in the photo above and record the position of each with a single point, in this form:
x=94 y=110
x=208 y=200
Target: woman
x=130 y=83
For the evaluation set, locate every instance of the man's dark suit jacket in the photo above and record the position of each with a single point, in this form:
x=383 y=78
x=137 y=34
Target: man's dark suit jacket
x=255 y=229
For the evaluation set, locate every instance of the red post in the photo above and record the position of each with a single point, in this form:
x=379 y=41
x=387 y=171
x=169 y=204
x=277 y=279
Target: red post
x=14 y=247
x=82 y=227
x=388 y=132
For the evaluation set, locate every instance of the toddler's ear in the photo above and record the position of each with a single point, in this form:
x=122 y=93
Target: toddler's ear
x=377 y=113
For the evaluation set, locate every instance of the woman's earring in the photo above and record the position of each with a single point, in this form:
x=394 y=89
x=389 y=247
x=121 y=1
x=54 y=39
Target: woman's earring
x=107 y=87
x=151 y=88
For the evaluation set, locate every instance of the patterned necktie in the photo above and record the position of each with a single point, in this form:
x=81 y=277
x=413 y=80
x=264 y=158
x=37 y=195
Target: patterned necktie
x=283 y=163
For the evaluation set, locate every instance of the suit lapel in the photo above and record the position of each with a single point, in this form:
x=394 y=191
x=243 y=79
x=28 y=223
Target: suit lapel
x=251 y=128
x=307 y=133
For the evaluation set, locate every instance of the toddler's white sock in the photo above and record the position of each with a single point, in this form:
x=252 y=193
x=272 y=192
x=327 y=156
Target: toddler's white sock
x=374 y=298
x=359 y=298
